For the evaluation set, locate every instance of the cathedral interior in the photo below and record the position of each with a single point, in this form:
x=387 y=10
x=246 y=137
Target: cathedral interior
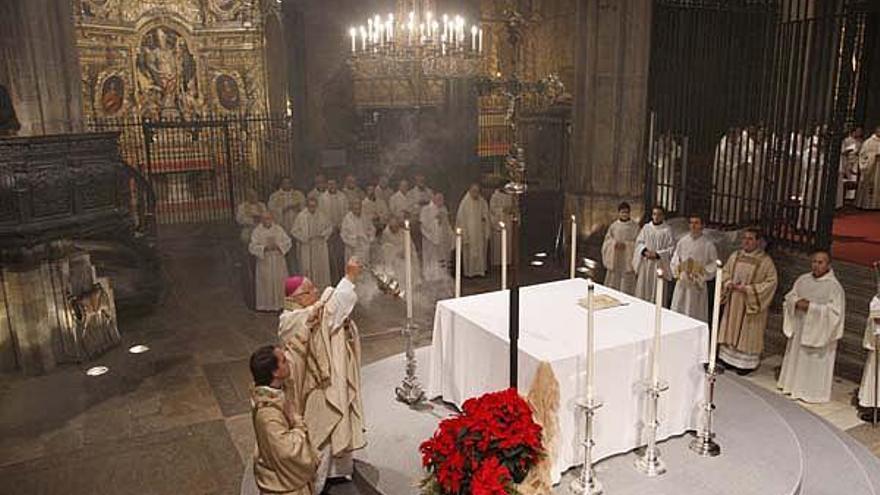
x=132 y=130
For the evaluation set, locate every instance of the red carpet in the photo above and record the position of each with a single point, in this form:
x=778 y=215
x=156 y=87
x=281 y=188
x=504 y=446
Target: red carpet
x=856 y=236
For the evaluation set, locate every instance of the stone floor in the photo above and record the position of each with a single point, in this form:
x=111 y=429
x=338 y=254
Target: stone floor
x=175 y=420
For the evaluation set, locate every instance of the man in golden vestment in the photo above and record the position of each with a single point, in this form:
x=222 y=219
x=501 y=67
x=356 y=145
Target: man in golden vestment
x=749 y=281
x=284 y=462
x=323 y=346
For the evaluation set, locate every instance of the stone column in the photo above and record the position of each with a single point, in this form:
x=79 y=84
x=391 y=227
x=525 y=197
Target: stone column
x=611 y=89
x=39 y=65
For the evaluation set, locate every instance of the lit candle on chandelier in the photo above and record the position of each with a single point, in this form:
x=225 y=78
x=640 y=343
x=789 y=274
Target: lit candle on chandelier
x=458 y=262
x=574 y=245
x=503 y=255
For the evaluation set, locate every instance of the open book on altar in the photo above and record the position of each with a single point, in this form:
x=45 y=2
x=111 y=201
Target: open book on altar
x=601 y=301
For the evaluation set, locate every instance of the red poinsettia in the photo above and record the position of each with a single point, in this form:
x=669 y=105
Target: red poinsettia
x=492 y=444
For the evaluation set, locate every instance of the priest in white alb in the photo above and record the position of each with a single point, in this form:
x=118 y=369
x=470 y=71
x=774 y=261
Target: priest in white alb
x=693 y=263
x=322 y=341
x=311 y=231
x=617 y=251
x=813 y=320
x=500 y=210
x=358 y=234
x=436 y=240
x=653 y=251
x=868 y=193
x=869 y=342
x=473 y=220
x=269 y=243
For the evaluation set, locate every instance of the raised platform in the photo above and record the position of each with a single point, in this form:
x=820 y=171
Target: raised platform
x=770 y=445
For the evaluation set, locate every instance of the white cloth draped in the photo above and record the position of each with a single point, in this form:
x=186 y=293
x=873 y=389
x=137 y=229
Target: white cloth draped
x=473 y=220
x=269 y=245
x=693 y=263
x=358 y=234
x=808 y=366
x=436 y=242
x=470 y=351
x=311 y=231
x=657 y=238
x=872 y=330
x=619 y=273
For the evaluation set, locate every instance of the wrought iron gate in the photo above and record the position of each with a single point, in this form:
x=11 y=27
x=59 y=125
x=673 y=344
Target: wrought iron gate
x=201 y=169
x=750 y=101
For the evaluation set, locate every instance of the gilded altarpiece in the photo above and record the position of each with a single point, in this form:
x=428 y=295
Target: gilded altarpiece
x=171 y=59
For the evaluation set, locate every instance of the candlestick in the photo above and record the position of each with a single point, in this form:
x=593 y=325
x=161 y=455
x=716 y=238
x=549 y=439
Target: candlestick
x=591 y=354
x=503 y=255
x=458 y=262
x=573 y=245
x=407 y=249
x=716 y=313
x=587 y=483
x=658 y=317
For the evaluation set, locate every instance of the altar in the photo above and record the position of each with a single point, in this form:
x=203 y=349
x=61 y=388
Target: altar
x=469 y=357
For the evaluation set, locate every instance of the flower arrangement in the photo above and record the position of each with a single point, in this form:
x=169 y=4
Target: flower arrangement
x=485 y=450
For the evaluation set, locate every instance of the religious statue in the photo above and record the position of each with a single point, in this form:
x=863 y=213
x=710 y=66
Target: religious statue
x=166 y=72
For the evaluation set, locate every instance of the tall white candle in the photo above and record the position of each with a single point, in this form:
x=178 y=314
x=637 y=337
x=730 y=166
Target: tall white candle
x=473 y=38
x=480 y=40
x=591 y=343
x=458 y=262
x=658 y=316
x=574 y=243
x=353 y=33
x=716 y=314
x=407 y=249
x=503 y=255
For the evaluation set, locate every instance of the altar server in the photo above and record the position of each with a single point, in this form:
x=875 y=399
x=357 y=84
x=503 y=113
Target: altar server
x=473 y=220
x=749 y=281
x=311 y=231
x=249 y=213
x=868 y=194
x=813 y=318
x=653 y=250
x=269 y=243
x=617 y=251
x=869 y=341
x=286 y=203
x=358 y=234
x=500 y=210
x=693 y=263
x=436 y=239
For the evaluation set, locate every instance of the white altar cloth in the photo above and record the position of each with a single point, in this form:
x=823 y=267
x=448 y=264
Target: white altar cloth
x=469 y=357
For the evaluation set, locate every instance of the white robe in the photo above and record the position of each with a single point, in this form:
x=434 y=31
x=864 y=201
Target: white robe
x=248 y=215
x=690 y=296
x=473 y=220
x=394 y=258
x=418 y=199
x=872 y=329
x=285 y=206
x=271 y=270
x=376 y=210
x=868 y=195
x=618 y=262
x=657 y=238
x=436 y=242
x=400 y=206
x=848 y=168
x=808 y=366
x=384 y=193
x=334 y=207
x=311 y=232
x=358 y=234
x=500 y=207
x=353 y=195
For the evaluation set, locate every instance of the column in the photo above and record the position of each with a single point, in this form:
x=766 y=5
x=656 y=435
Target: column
x=610 y=120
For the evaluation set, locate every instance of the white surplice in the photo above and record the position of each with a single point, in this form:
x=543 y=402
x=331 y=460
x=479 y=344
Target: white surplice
x=473 y=220
x=285 y=206
x=872 y=330
x=657 y=238
x=808 y=365
x=618 y=260
x=311 y=231
x=247 y=216
x=500 y=208
x=376 y=210
x=334 y=206
x=358 y=234
x=693 y=263
x=384 y=193
x=269 y=245
x=436 y=242
x=399 y=204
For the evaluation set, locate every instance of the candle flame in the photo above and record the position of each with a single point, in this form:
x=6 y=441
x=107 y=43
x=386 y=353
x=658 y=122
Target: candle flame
x=719 y=264
x=502 y=225
x=659 y=272
x=573 y=219
x=406 y=224
x=458 y=231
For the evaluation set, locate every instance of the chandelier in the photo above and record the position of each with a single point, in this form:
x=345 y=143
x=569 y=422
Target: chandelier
x=415 y=42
